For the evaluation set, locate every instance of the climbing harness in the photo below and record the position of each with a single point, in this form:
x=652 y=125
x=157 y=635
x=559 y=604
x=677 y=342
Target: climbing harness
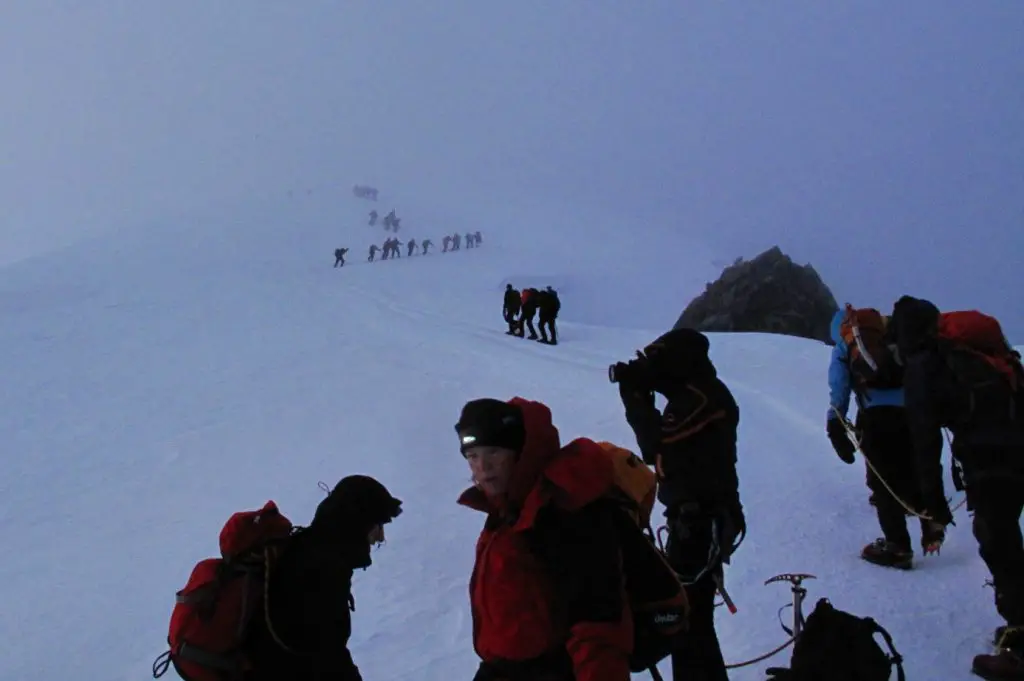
x=714 y=553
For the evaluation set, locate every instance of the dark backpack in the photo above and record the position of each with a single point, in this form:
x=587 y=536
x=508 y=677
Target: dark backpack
x=657 y=598
x=837 y=646
x=552 y=302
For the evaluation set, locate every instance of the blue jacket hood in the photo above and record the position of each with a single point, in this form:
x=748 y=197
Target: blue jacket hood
x=837 y=321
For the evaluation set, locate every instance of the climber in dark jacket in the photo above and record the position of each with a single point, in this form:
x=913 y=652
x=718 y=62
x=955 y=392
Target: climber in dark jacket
x=310 y=590
x=527 y=311
x=548 y=306
x=692 y=446
x=510 y=308
x=987 y=427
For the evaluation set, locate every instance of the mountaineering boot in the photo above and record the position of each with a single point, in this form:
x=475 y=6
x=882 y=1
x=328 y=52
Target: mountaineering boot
x=1007 y=664
x=932 y=536
x=887 y=554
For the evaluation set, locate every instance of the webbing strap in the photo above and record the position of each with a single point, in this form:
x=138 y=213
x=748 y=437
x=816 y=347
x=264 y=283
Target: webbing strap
x=894 y=657
x=228 y=663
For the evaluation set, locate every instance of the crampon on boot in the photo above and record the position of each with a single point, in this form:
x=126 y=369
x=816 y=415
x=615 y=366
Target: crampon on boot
x=887 y=554
x=932 y=536
x=1007 y=663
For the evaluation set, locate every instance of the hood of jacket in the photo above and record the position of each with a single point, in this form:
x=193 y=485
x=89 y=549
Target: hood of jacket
x=837 y=323
x=545 y=471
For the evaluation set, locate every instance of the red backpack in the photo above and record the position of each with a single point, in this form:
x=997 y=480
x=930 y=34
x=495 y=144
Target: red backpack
x=981 y=335
x=212 y=613
x=982 y=360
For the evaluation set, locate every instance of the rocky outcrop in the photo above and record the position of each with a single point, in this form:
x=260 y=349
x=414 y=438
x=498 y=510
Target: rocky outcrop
x=769 y=294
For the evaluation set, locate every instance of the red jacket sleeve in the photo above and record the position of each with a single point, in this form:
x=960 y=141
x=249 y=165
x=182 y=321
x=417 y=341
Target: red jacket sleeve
x=583 y=555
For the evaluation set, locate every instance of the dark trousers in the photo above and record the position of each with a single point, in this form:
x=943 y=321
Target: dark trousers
x=526 y=320
x=887 y=443
x=510 y=319
x=698 y=655
x=997 y=497
x=547 y=328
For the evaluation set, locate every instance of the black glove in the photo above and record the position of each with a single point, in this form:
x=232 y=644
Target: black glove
x=634 y=397
x=845 y=449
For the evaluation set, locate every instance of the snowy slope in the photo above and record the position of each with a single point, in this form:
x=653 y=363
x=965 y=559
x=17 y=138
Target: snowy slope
x=158 y=382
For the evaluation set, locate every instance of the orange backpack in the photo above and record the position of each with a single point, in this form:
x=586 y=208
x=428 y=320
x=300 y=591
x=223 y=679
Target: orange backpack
x=657 y=597
x=872 y=359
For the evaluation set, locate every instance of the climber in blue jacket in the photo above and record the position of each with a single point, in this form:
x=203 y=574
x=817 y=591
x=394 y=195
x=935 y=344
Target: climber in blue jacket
x=885 y=439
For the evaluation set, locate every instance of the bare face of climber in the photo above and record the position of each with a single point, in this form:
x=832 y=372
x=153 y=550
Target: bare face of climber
x=376 y=535
x=491 y=468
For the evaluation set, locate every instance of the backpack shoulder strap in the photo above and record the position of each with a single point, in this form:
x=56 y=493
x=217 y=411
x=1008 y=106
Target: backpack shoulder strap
x=894 y=657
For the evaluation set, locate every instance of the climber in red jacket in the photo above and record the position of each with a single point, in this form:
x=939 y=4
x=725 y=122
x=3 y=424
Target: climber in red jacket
x=546 y=592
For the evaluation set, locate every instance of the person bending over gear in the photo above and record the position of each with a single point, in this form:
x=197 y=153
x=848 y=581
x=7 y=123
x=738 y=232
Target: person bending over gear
x=883 y=432
x=693 y=448
x=310 y=589
x=510 y=308
x=546 y=592
x=960 y=373
x=528 y=310
x=427 y=243
x=339 y=257
x=373 y=252
x=548 y=306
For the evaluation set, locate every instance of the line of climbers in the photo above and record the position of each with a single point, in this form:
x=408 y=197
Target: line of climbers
x=528 y=304
x=569 y=583
x=392 y=222
x=391 y=247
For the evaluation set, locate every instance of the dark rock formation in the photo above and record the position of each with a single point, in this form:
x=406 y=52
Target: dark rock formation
x=769 y=294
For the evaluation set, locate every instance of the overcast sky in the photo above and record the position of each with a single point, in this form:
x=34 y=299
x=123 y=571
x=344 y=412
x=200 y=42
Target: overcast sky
x=881 y=141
